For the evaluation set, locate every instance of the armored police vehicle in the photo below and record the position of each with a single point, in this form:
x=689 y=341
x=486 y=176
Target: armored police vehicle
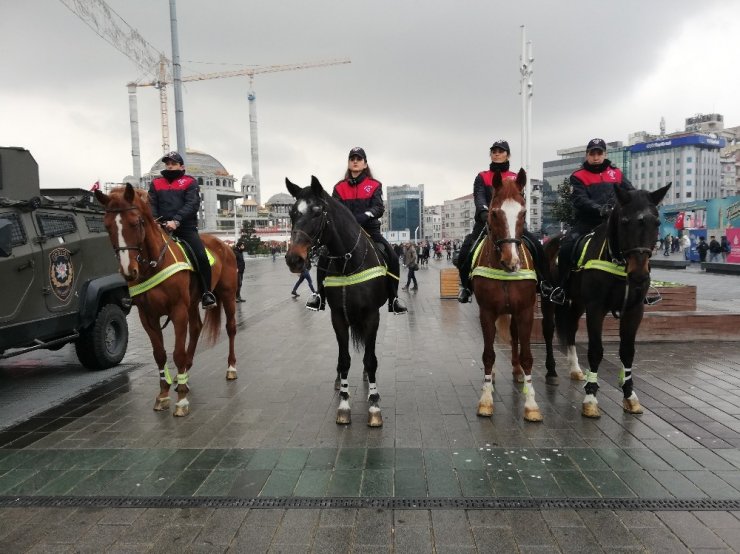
x=59 y=280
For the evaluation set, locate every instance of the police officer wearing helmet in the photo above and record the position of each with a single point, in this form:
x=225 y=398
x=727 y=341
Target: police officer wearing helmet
x=175 y=198
x=593 y=198
x=363 y=195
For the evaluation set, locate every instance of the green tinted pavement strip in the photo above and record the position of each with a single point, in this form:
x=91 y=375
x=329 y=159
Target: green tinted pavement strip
x=357 y=471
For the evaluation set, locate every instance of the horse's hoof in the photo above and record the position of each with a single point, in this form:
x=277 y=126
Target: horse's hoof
x=344 y=417
x=374 y=418
x=485 y=410
x=162 y=404
x=631 y=406
x=591 y=410
x=577 y=376
x=231 y=374
x=182 y=408
x=552 y=380
x=533 y=414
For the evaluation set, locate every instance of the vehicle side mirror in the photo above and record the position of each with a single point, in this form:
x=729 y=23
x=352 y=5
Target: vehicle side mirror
x=6 y=236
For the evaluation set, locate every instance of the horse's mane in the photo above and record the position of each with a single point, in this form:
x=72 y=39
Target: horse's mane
x=141 y=200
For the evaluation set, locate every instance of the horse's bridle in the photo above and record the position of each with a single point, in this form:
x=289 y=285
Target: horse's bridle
x=498 y=243
x=139 y=258
x=317 y=247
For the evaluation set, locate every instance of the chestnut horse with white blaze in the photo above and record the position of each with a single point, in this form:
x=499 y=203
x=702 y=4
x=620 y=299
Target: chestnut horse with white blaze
x=505 y=287
x=162 y=285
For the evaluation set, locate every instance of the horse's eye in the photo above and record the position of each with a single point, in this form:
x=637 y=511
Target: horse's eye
x=316 y=209
x=624 y=220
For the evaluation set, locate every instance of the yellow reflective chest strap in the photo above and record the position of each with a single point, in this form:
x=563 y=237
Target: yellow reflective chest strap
x=601 y=265
x=357 y=278
x=500 y=274
x=166 y=273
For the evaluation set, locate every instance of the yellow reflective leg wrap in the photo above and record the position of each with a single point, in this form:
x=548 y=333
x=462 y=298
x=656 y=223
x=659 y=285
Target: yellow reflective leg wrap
x=164 y=375
x=182 y=378
x=592 y=377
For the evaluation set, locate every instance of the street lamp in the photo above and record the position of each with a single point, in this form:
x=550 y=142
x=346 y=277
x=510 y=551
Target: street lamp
x=415 y=232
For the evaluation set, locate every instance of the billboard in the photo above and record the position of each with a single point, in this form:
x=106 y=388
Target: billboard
x=691 y=140
x=733 y=237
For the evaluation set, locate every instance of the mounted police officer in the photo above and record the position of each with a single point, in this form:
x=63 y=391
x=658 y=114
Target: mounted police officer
x=593 y=198
x=482 y=194
x=175 y=198
x=363 y=195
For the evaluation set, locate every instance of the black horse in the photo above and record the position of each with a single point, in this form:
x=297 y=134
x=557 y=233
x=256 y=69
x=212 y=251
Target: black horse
x=355 y=282
x=613 y=276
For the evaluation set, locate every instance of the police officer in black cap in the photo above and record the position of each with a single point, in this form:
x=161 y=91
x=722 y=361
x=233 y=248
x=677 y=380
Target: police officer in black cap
x=363 y=195
x=482 y=194
x=593 y=198
x=175 y=198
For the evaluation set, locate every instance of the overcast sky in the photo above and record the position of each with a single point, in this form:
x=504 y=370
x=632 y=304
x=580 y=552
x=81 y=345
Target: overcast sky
x=431 y=84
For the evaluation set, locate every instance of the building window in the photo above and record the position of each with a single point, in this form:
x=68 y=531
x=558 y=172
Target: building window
x=688 y=182
x=658 y=162
x=667 y=172
x=688 y=194
x=689 y=159
x=651 y=163
x=688 y=171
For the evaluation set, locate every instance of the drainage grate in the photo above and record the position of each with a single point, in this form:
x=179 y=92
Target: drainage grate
x=642 y=504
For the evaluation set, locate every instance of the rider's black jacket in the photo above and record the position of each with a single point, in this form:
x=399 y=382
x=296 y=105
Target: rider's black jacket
x=361 y=195
x=483 y=186
x=593 y=187
x=177 y=200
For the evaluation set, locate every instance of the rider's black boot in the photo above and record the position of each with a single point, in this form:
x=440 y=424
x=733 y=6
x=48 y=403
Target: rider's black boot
x=208 y=300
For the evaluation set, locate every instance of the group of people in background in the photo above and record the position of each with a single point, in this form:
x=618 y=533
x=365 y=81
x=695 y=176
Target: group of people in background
x=717 y=249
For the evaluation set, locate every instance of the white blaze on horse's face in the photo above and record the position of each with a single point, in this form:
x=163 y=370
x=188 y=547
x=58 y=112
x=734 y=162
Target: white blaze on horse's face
x=123 y=255
x=302 y=207
x=512 y=209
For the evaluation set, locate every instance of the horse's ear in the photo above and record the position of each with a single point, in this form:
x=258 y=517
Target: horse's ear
x=497 y=180
x=622 y=195
x=129 y=194
x=316 y=187
x=521 y=179
x=102 y=197
x=293 y=189
x=657 y=196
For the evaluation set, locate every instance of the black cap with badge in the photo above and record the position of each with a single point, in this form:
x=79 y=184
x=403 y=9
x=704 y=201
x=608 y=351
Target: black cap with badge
x=502 y=144
x=357 y=151
x=173 y=156
x=596 y=144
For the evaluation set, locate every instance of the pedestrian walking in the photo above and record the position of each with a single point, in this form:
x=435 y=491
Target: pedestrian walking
x=715 y=250
x=702 y=248
x=305 y=276
x=238 y=249
x=412 y=264
x=686 y=246
x=725 y=244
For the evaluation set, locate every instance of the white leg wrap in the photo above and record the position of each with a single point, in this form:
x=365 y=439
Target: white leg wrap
x=632 y=396
x=528 y=390
x=590 y=399
x=344 y=404
x=573 y=359
x=182 y=403
x=344 y=387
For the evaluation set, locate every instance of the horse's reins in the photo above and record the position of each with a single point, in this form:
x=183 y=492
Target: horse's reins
x=138 y=248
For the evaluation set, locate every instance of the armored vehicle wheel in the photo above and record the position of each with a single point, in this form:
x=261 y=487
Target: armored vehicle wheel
x=104 y=343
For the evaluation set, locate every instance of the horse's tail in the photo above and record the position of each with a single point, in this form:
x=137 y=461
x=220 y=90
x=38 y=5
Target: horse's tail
x=212 y=324
x=503 y=328
x=562 y=317
x=358 y=331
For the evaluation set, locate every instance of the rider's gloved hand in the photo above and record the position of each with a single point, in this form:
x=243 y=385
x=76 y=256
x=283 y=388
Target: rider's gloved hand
x=482 y=216
x=605 y=210
x=362 y=218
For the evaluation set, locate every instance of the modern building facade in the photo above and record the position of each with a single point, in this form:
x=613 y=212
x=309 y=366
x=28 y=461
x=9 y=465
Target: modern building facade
x=690 y=161
x=457 y=217
x=432 y=223
x=404 y=209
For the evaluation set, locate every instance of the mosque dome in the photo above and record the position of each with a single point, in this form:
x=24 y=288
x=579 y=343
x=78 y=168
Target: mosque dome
x=197 y=163
x=280 y=199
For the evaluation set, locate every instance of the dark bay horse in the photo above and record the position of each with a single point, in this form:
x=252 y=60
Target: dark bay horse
x=612 y=276
x=144 y=251
x=505 y=287
x=355 y=284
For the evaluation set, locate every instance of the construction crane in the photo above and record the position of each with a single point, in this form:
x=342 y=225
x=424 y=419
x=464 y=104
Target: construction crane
x=250 y=72
x=111 y=27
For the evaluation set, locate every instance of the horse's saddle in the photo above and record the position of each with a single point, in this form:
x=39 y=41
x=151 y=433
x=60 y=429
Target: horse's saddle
x=190 y=255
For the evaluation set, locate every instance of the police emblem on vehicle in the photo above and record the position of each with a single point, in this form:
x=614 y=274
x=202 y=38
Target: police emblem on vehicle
x=61 y=272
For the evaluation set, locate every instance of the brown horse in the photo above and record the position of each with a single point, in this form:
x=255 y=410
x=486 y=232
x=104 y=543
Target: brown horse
x=132 y=228
x=505 y=287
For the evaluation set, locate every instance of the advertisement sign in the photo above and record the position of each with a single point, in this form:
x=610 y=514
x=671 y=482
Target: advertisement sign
x=733 y=237
x=694 y=235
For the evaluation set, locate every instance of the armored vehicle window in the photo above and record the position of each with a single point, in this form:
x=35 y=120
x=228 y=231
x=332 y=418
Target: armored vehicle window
x=95 y=223
x=54 y=225
x=18 y=234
